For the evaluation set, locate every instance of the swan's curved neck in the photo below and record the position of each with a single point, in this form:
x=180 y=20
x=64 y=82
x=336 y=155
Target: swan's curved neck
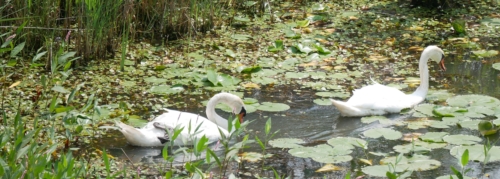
x=424 y=76
x=212 y=115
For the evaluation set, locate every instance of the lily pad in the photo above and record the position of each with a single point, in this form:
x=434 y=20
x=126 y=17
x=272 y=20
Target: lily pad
x=413 y=163
x=324 y=102
x=418 y=147
x=433 y=136
x=286 y=143
x=447 y=111
x=389 y=134
x=438 y=95
x=380 y=119
x=323 y=153
x=128 y=83
x=485 y=53
x=296 y=75
x=155 y=80
x=473 y=100
x=425 y=109
x=461 y=139
x=496 y=66
x=273 y=107
x=476 y=153
x=348 y=142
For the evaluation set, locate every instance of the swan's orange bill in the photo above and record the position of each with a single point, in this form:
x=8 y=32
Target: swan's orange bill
x=240 y=117
x=441 y=65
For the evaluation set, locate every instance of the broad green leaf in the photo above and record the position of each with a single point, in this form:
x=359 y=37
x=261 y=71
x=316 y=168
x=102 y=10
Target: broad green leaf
x=496 y=66
x=473 y=100
x=251 y=70
x=476 y=153
x=465 y=158
x=60 y=89
x=418 y=147
x=155 y=80
x=323 y=153
x=389 y=134
x=230 y=53
x=461 y=139
x=17 y=49
x=273 y=107
x=485 y=53
x=433 y=136
x=380 y=119
x=348 y=142
x=324 y=102
x=212 y=77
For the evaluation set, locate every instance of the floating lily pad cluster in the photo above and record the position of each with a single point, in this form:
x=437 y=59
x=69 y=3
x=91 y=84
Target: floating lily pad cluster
x=336 y=150
x=252 y=105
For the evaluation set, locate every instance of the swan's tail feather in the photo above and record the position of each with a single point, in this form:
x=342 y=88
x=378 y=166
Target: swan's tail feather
x=345 y=109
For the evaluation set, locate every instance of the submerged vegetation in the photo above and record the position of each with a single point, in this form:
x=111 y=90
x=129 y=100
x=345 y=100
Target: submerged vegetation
x=57 y=103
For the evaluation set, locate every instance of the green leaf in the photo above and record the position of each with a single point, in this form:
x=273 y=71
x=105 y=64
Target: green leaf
x=212 y=153
x=461 y=139
x=476 y=153
x=60 y=89
x=459 y=26
x=496 y=66
x=278 y=46
x=230 y=53
x=485 y=53
x=465 y=158
x=12 y=62
x=390 y=175
x=17 y=49
x=212 y=77
x=251 y=70
x=268 y=126
x=273 y=107
x=106 y=161
x=303 y=23
x=433 y=136
x=324 y=102
x=457 y=173
x=381 y=119
x=242 y=19
x=64 y=57
x=260 y=143
x=473 y=100
x=64 y=109
x=389 y=134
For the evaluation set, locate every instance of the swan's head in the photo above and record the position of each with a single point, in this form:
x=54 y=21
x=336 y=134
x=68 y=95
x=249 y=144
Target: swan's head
x=435 y=54
x=236 y=104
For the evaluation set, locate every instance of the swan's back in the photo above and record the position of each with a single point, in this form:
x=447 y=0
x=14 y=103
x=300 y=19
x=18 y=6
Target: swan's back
x=197 y=124
x=376 y=99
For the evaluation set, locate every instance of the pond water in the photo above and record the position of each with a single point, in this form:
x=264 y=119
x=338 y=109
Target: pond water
x=317 y=123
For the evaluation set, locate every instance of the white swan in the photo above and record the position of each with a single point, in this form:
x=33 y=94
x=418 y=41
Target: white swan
x=377 y=99
x=195 y=126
